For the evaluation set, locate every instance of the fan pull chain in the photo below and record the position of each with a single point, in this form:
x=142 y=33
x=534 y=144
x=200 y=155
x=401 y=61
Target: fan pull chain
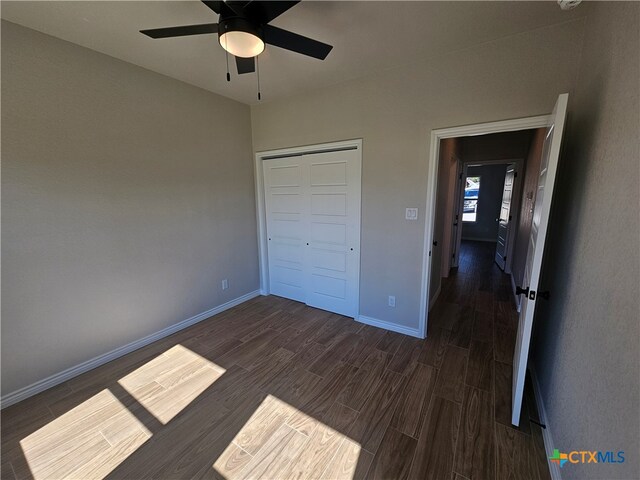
x=258 y=72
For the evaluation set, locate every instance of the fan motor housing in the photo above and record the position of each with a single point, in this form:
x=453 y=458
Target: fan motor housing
x=238 y=24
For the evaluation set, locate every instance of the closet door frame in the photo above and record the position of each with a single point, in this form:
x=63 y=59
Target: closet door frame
x=263 y=258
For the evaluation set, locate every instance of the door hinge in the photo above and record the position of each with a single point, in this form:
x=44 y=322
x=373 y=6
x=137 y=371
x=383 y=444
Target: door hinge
x=504 y=258
x=460 y=177
x=515 y=174
x=510 y=217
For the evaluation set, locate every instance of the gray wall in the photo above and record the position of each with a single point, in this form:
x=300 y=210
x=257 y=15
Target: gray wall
x=485 y=227
x=586 y=344
x=394 y=112
x=126 y=198
x=441 y=253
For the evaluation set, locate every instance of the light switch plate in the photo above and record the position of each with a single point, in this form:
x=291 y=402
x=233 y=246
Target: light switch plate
x=411 y=214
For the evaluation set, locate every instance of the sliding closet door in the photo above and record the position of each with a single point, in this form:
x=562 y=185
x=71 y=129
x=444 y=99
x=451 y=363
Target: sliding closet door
x=334 y=260
x=287 y=212
x=313 y=227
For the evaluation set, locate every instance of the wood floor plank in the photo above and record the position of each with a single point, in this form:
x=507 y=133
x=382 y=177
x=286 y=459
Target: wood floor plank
x=504 y=342
x=475 y=450
x=6 y=471
x=106 y=460
x=461 y=328
x=445 y=314
x=369 y=337
x=268 y=418
x=394 y=456
x=414 y=402
x=340 y=417
x=364 y=381
x=512 y=454
x=229 y=465
x=335 y=354
x=350 y=462
x=318 y=402
x=406 y=357
x=318 y=451
x=276 y=455
x=450 y=382
x=390 y=342
x=434 y=455
x=482 y=327
x=376 y=415
x=484 y=302
x=480 y=366
x=434 y=347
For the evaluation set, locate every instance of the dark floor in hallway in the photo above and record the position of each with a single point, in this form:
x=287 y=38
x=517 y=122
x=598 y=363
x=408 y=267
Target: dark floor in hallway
x=275 y=389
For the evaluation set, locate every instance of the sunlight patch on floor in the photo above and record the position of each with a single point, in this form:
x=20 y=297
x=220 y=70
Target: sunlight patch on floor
x=171 y=381
x=88 y=441
x=281 y=441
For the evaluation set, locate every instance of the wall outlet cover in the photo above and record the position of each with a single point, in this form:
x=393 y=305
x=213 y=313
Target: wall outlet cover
x=411 y=214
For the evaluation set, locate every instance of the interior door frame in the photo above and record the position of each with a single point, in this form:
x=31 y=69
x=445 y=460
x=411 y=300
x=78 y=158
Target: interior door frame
x=261 y=216
x=515 y=205
x=525 y=123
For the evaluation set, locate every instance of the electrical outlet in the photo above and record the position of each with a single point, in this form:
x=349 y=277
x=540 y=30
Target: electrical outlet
x=392 y=301
x=225 y=284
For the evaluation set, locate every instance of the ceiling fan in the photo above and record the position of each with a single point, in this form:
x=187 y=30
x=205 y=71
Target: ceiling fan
x=243 y=30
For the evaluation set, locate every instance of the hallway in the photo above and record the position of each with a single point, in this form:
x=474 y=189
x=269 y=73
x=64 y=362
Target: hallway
x=472 y=329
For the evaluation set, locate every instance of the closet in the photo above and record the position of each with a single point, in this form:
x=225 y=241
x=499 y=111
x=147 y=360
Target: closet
x=312 y=217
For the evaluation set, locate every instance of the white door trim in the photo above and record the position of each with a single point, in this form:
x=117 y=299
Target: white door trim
x=432 y=186
x=263 y=259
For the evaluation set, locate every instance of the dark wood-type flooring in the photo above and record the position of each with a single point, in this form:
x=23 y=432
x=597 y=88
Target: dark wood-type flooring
x=275 y=389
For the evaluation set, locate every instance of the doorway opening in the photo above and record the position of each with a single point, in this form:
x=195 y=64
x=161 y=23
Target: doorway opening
x=474 y=305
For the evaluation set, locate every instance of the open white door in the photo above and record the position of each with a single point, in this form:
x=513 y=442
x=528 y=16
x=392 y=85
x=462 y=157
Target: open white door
x=542 y=208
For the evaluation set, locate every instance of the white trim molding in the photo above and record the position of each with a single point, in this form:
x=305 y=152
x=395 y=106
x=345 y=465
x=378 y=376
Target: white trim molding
x=554 y=469
x=432 y=185
x=374 y=322
x=69 y=373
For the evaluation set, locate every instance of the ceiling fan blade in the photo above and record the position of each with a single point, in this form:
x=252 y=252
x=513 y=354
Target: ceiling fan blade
x=264 y=12
x=213 y=5
x=296 y=43
x=245 y=65
x=182 y=31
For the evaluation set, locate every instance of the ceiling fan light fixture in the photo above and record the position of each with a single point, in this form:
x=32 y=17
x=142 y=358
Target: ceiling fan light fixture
x=238 y=37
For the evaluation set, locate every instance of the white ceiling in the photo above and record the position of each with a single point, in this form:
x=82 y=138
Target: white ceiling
x=367 y=37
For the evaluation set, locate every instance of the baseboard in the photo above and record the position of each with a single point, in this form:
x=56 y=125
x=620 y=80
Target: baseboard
x=56 y=379
x=516 y=298
x=374 y=322
x=554 y=469
x=435 y=296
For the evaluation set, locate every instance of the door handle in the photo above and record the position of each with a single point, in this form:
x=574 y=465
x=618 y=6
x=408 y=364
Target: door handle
x=522 y=291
